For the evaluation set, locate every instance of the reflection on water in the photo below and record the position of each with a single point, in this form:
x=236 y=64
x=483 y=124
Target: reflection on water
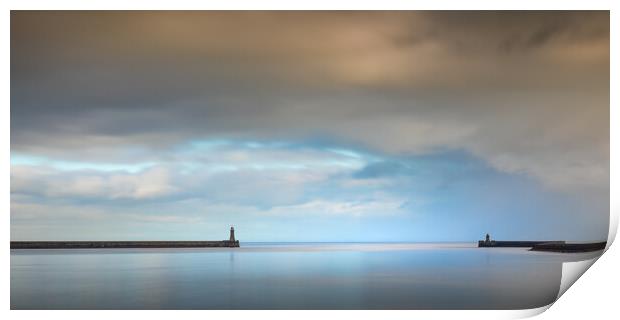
x=288 y=276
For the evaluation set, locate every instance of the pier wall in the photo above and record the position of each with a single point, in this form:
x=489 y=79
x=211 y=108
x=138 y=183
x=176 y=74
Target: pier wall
x=551 y=246
x=514 y=244
x=570 y=247
x=121 y=244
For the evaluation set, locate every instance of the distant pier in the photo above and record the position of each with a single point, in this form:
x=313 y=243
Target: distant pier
x=570 y=247
x=551 y=246
x=514 y=244
x=231 y=243
x=120 y=244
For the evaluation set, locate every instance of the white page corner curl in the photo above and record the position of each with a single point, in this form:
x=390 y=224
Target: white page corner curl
x=571 y=271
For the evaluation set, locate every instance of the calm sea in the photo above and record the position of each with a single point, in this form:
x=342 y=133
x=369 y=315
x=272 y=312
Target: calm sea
x=289 y=276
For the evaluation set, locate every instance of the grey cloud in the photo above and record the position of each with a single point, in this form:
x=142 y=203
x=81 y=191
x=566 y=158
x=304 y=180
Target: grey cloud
x=528 y=91
x=154 y=182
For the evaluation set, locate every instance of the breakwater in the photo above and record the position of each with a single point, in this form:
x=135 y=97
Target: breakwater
x=121 y=244
x=513 y=244
x=551 y=246
x=570 y=247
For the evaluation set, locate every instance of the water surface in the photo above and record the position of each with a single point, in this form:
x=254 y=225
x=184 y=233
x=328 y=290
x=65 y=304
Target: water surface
x=288 y=276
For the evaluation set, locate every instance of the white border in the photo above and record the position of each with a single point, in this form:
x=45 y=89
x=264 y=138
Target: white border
x=588 y=300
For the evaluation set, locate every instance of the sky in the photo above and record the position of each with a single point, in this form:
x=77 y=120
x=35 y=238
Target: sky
x=310 y=126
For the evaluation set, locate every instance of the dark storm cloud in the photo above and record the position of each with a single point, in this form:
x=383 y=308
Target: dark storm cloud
x=528 y=91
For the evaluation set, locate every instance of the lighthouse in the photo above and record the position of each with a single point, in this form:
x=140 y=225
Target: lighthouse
x=232 y=234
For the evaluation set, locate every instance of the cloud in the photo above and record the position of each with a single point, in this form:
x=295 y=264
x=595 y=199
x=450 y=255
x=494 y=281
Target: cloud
x=150 y=183
x=379 y=206
x=367 y=197
x=135 y=93
x=396 y=82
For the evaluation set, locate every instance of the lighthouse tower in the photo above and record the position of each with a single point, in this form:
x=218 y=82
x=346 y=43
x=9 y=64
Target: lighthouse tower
x=232 y=234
